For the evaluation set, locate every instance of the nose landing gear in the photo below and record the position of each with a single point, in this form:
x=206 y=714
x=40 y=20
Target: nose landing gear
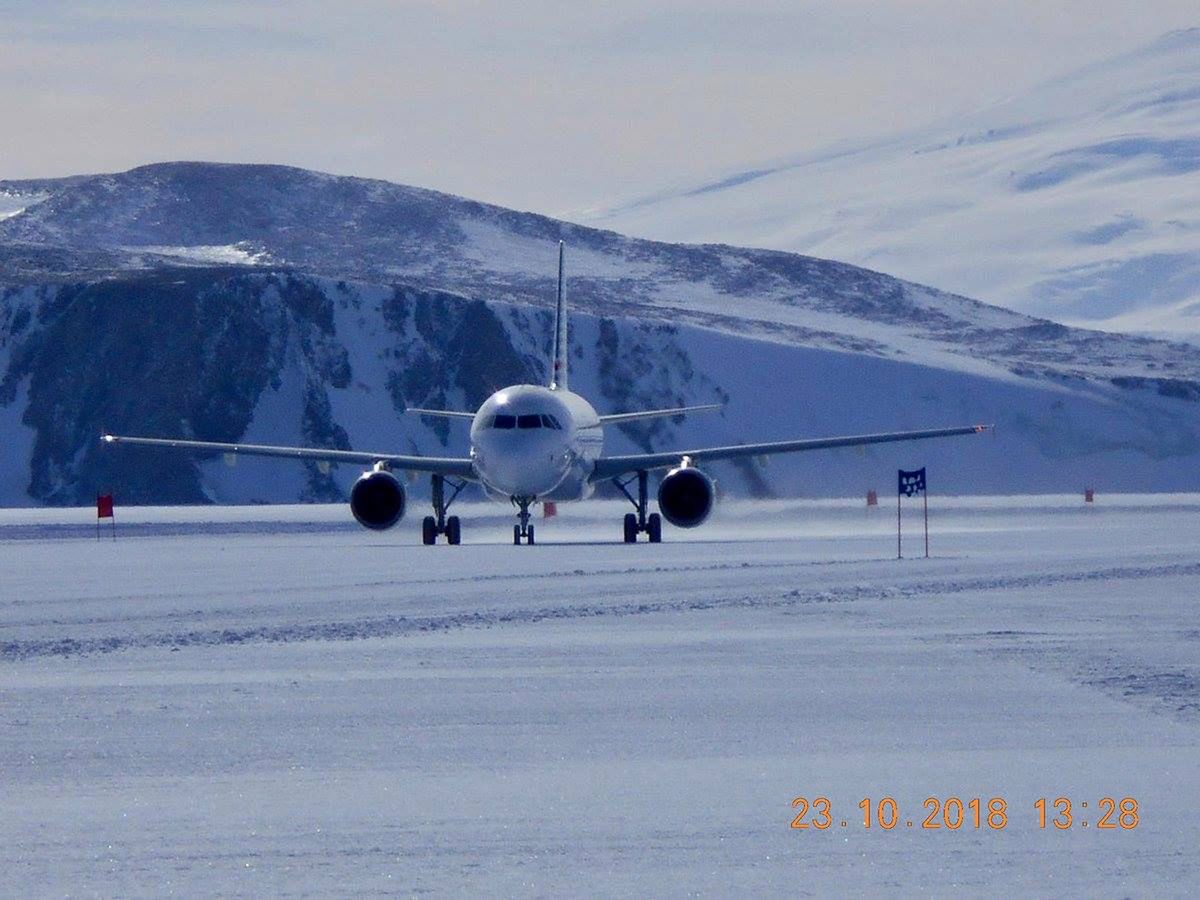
x=523 y=531
x=438 y=523
x=650 y=525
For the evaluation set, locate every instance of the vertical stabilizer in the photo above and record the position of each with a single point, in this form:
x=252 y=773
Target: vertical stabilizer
x=558 y=371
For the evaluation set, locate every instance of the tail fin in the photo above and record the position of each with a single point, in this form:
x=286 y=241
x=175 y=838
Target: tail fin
x=558 y=373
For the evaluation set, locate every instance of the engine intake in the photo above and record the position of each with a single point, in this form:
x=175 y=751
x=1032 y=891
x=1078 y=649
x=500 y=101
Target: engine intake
x=377 y=500
x=685 y=497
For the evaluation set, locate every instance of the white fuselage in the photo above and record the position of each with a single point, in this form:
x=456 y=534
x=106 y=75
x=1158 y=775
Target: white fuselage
x=532 y=442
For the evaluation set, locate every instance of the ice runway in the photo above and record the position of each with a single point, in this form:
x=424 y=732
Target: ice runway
x=261 y=701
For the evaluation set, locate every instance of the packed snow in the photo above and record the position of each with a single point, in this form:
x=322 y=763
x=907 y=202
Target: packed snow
x=271 y=701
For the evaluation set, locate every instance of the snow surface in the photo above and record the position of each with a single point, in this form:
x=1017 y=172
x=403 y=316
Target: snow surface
x=271 y=701
x=239 y=254
x=15 y=203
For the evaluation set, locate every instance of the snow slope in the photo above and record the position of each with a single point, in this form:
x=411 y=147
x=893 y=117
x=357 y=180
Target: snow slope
x=1079 y=201
x=341 y=301
x=13 y=203
x=282 y=359
x=376 y=232
x=260 y=701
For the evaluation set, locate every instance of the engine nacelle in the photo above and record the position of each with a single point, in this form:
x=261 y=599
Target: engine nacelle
x=686 y=497
x=377 y=500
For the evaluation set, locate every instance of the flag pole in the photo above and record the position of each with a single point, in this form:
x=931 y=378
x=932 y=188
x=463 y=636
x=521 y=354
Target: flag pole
x=899 y=553
x=925 y=494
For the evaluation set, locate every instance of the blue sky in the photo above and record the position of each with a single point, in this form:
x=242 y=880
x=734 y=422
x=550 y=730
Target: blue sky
x=537 y=105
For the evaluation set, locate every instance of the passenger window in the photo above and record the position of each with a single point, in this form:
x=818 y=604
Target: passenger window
x=504 y=422
x=529 y=421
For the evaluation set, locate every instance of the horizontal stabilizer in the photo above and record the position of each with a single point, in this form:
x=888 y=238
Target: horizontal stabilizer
x=441 y=413
x=618 y=418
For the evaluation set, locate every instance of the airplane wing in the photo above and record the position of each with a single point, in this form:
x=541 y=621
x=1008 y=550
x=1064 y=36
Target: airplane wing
x=618 y=418
x=612 y=466
x=453 y=466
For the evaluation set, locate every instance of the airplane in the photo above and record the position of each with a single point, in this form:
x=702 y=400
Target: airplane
x=531 y=443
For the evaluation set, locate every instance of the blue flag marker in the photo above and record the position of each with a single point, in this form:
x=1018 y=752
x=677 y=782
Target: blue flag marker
x=912 y=483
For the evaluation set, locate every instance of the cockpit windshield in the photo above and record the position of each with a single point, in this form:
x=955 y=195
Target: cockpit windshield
x=529 y=420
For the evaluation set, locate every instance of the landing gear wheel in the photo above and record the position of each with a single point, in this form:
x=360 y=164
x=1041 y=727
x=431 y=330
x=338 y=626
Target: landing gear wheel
x=432 y=526
x=523 y=529
x=636 y=523
x=654 y=528
x=631 y=528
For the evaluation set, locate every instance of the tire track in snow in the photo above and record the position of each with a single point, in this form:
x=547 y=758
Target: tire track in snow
x=399 y=626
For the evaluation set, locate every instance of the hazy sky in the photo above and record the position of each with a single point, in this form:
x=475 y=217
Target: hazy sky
x=549 y=106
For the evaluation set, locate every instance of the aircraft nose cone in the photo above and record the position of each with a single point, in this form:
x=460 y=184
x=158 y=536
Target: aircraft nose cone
x=523 y=471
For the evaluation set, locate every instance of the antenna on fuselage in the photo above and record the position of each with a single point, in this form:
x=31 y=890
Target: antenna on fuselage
x=558 y=371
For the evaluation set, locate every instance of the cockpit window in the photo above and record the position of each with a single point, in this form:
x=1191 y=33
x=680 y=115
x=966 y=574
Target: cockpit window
x=531 y=420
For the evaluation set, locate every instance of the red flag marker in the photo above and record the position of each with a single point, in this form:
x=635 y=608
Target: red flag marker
x=104 y=510
x=549 y=509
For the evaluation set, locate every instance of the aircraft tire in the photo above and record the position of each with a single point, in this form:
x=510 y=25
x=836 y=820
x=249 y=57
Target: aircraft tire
x=529 y=538
x=654 y=528
x=631 y=528
x=453 y=530
x=517 y=535
x=428 y=531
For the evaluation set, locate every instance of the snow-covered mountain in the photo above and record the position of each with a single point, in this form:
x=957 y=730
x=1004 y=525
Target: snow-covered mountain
x=1079 y=201
x=270 y=304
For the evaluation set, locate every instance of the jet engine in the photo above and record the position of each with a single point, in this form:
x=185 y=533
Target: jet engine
x=685 y=497
x=377 y=500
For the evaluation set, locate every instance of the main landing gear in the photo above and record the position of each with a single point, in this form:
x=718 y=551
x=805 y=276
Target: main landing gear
x=438 y=523
x=524 y=530
x=650 y=525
